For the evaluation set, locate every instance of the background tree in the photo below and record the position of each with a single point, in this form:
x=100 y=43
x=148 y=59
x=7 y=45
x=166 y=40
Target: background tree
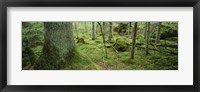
x=133 y=42
x=147 y=38
x=93 y=31
x=145 y=30
x=129 y=28
x=103 y=36
x=110 y=29
x=158 y=34
x=104 y=26
x=75 y=28
x=58 y=46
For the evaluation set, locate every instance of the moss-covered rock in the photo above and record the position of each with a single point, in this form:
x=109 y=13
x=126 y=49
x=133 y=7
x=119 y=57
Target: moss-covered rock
x=122 y=44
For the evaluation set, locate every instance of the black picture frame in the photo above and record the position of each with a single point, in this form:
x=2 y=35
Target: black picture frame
x=100 y=3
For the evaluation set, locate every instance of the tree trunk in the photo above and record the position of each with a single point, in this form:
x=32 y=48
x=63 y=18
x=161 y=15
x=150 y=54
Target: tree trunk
x=133 y=42
x=75 y=26
x=158 y=34
x=145 y=30
x=147 y=38
x=129 y=29
x=59 y=44
x=111 y=33
x=103 y=36
x=93 y=31
x=104 y=26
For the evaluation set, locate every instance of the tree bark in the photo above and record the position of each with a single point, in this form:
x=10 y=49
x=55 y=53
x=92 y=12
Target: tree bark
x=145 y=30
x=85 y=26
x=75 y=26
x=134 y=41
x=147 y=39
x=104 y=26
x=93 y=31
x=103 y=36
x=111 y=33
x=129 y=29
x=59 y=44
x=158 y=34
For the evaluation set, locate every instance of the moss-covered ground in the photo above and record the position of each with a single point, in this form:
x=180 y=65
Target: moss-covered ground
x=91 y=55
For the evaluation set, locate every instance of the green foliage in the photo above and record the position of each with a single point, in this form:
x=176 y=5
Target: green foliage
x=123 y=26
x=166 y=26
x=28 y=56
x=32 y=37
x=169 y=29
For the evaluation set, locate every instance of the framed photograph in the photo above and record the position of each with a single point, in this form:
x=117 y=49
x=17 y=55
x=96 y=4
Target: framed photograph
x=76 y=45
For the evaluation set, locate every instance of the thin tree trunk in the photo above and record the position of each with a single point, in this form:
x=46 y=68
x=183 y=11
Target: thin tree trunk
x=103 y=36
x=129 y=29
x=158 y=34
x=134 y=42
x=147 y=39
x=111 y=33
x=85 y=26
x=104 y=24
x=145 y=30
x=93 y=31
x=165 y=43
x=104 y=29
x=76 y=30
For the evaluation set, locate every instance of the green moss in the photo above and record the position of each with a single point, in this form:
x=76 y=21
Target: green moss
x=122 y=44
x=84 y=58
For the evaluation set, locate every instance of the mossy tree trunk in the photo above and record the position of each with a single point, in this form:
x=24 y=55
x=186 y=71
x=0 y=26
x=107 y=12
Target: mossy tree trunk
x=129 y=29
x=59 y=44
x=158 y=34
x=133 y=42
x=147 y=39
x=104 y=26
x=103 y=37
x=76 y=30
x=110 y=29
x=93 y=31
x=145 y=30
x=85 y=25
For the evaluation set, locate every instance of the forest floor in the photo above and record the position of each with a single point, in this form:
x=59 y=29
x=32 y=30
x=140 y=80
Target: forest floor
x=90 y=55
